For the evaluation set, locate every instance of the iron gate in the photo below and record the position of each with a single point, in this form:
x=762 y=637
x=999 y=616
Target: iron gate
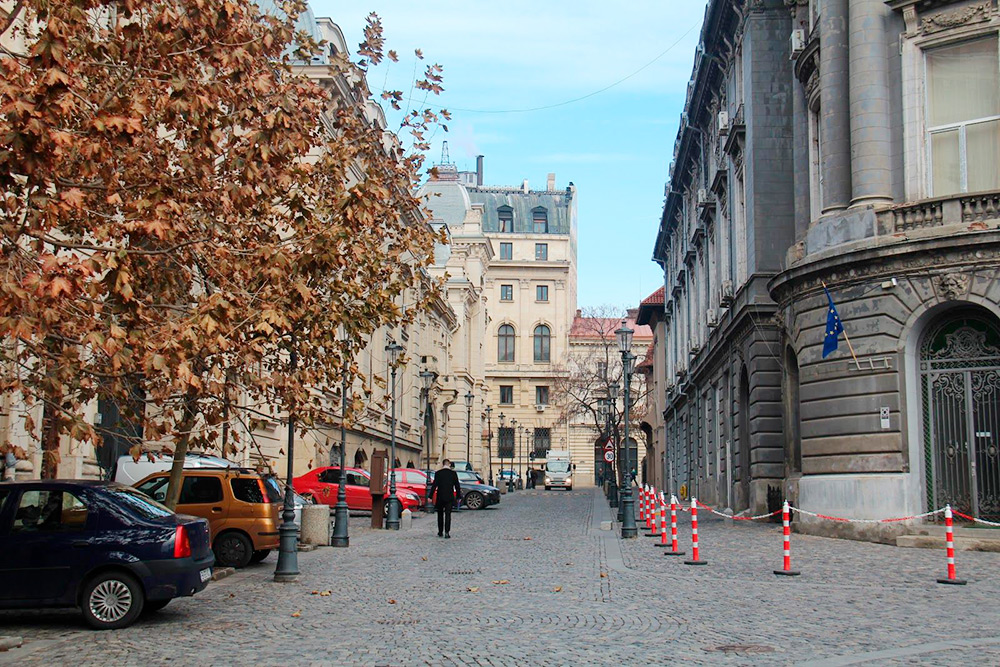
x=960 y=380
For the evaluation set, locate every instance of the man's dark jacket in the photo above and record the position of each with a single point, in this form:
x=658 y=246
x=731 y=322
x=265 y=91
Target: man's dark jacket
x=447 y=487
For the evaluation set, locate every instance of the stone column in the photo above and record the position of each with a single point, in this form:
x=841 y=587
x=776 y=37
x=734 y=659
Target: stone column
x=869 y=95
x=835 y=126
x=800 y=158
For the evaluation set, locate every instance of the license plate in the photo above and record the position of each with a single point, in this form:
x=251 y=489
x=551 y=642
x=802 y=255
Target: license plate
x=206 y=574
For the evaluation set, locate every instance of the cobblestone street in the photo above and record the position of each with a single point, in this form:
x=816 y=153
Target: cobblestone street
x=576 y=595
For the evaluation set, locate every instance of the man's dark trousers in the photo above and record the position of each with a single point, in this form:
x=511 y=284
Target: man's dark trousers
x=444 y=518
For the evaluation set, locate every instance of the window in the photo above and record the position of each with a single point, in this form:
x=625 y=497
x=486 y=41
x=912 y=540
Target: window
x=541 y=251
x=248 y=490
x=414 y=477
x=506 y=251
x=505 y=214
x=200 y=490
x=49 y=511
x=139 y=503
x=506 y=292
x=506 y=394
x=505 y=343
x=541 y=293
x=330 y=476
x=505 y=448
x=602 y=370
x=963 y=117
x=540 y=221
x=543 y=338
x=543 y=441
x=541 y=395
x=357 y=479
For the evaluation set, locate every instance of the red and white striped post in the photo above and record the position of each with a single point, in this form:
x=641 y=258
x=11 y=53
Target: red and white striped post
x=654 y=511
x=663 y=518
x=950 y=547
x=787 y=570
x=695 y=560
x=642 y=503
x=673 y=531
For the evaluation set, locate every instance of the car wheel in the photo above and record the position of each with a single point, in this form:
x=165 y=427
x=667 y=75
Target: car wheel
x=548 y=488
x=233 y=550
x=112 y=600
x=474 y=500
x=154 y=605
x=260 y=555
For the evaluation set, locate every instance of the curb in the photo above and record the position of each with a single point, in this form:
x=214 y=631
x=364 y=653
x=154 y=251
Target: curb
x=222 y=572
x=7 y=642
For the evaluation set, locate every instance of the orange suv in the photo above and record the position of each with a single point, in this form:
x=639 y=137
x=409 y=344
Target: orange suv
x=242 y=518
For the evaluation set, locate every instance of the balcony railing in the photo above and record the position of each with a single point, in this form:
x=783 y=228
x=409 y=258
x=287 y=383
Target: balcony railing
x=981 y=207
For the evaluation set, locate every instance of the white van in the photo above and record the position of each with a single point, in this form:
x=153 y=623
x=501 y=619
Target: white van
x=128 y=471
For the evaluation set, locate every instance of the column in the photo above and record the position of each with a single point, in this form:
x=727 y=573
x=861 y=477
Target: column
x=835 y=108
x=869 y=95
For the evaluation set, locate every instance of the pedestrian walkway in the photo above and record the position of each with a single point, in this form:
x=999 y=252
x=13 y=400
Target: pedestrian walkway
x=535 y=581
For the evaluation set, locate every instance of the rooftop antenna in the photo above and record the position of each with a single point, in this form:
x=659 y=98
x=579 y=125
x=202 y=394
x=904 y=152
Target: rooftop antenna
x=445 y=158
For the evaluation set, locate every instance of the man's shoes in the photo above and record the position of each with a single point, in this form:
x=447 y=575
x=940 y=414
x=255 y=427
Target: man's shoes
x=448 y=535
x=440 y=534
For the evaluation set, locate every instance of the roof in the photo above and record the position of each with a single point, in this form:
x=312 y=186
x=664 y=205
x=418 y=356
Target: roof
x=651 y=304
x=594 y=327
x=656 y=297
x=557 y=204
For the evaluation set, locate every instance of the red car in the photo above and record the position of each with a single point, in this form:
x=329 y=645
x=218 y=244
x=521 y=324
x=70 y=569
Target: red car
x=412 y=480
x=321 y=484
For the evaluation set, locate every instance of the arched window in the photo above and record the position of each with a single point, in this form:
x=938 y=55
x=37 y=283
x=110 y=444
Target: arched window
x=505 y=343
x=540 y=220
x=505 y=214
x=543 y=338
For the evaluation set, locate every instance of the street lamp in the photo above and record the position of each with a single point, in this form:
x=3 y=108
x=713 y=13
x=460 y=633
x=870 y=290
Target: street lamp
x=489 y=442
x=520 y=458
x=613 y=434
x=287 y=567
x=602 y=418
x=426 y=381
x=468 y=427
x=341 y=538
x=503 y=417
x=628 y=508
x=392 y=351
x=513 y=444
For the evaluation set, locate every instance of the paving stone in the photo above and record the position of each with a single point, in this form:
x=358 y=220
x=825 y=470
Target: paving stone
x=572 y=594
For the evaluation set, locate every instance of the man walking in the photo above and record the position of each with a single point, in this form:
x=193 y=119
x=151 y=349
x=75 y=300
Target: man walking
x=448 y=491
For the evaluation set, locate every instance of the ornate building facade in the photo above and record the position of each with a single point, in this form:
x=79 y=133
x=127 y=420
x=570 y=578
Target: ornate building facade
x=852 y=146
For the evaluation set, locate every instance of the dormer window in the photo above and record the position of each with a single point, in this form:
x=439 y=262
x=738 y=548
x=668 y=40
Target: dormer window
x=505 y=214
x=540 y=220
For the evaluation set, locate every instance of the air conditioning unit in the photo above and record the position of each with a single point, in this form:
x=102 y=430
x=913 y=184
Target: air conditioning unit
x=540 y=407
x=702 y=196
x=713 y=318
x=797 y=41
x=726 y=294
x=723 y=122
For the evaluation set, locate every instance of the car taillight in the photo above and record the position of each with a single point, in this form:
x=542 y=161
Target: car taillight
x=182 y=546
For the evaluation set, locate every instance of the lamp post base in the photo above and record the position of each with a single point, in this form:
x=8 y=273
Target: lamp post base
x=340 y=536
x=627 y=508
x=392 y=517
x=287 y=569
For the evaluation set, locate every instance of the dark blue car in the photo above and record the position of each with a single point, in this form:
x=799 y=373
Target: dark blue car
x=99 y=546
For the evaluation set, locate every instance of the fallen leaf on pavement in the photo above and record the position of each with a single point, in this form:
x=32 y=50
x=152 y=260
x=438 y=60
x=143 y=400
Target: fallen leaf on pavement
x=297 y=614
x=315 y=593
x=325 y=594
x=527 y=539
x=472 y=589
x=423 y=558
x=557 y=589
x=501 y=582
x=604 y=575
x=392 y=602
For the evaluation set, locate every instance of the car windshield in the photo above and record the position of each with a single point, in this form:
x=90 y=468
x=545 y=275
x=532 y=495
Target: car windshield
x=558 y=466
x=468 y=476
x=139 y=503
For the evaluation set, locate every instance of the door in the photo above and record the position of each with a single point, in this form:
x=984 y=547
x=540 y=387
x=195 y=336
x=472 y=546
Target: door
x=960 y=380
x=358 y=495
x=46 y=546
x=326 y=490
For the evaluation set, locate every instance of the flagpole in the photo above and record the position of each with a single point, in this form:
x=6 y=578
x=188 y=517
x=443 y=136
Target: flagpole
x=846 y=337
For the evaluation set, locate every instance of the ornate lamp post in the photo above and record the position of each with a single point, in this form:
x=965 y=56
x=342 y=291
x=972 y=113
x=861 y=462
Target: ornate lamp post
x=427 y=379
x=287 y=568
x=392 y=351
x=613 y=435
x=513 y=444
x=602 y=417
x=628 y=507
x=341 y=538
x=503 y=417
x=520 y=457
x=489 y=443
x=468 y=427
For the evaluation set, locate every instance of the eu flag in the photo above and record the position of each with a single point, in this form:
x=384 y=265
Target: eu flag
x=834 y=327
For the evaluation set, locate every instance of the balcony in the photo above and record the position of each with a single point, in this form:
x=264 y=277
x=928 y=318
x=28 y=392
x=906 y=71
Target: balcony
x=978 y=211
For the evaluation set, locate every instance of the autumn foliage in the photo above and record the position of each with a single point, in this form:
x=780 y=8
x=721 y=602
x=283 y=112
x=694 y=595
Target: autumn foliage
x=181 y=209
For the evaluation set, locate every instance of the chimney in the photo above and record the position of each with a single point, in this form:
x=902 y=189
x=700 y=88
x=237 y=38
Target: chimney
x=578 y=312
x=524 y=186
x=551 y=185
x=479 y=170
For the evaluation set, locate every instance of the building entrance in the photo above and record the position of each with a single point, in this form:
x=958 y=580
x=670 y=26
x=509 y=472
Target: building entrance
x=960 y=383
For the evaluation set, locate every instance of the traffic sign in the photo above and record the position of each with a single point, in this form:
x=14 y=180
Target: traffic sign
x=609 y=446
x=609 y=456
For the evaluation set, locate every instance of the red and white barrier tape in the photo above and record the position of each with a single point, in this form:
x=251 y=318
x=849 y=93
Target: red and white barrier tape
x=737 y=518
x=974 y=519
x=870 y=521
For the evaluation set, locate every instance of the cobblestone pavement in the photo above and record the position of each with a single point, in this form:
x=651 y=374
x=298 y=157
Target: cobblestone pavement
x=576 y=596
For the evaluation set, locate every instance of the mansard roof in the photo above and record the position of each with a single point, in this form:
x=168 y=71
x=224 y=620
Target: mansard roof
x=558 y=204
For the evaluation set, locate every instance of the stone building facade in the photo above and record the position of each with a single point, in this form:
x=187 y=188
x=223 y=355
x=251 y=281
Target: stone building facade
x=869 y=136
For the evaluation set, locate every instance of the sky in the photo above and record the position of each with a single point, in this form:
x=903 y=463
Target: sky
x=615 y=145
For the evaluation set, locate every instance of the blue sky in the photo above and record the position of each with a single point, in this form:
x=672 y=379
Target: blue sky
x=615 y=146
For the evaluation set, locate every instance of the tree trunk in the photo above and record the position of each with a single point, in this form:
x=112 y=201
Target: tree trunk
x=180 y=451
x=50 y=442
